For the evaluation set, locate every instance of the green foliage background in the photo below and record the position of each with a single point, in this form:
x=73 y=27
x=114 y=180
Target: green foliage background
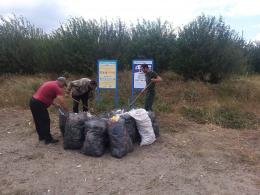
x=205 y=49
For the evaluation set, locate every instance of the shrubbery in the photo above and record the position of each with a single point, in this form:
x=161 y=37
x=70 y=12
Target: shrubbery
x=206 y=49
x=209 y=50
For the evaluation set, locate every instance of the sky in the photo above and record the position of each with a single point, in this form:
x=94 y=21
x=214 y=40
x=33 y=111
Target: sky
x=242 y=15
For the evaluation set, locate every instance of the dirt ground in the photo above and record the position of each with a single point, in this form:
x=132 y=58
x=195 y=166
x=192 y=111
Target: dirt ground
x=188 y=158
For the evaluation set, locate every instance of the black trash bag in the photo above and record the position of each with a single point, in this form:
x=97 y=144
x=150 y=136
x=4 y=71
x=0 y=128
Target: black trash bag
x=96 y=137
x=74 y=130
x=120 y=141
x=62 y=120
x=154 y=123
x=131 y=128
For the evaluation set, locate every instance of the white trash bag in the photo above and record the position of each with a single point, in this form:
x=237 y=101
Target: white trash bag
x=144 y=125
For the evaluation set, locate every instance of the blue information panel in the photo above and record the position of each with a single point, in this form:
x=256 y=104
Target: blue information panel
x=138 y=77
x=107 y=76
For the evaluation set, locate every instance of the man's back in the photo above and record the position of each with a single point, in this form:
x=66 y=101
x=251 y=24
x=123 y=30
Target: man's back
x=79 y=87
x=47 y=92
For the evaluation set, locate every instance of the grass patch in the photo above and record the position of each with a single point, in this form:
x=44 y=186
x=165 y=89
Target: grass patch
x=239 y=90
x=162 y=106
x=234 y=103
x=223 y=116
x=197 y=114
x=16 y=90
x=234 y=118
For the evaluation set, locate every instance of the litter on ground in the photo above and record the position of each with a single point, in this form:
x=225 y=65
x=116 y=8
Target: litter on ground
x=115 y=131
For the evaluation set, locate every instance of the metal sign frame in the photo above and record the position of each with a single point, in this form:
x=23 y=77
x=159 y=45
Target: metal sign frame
x=135 y=63
x=114 y=62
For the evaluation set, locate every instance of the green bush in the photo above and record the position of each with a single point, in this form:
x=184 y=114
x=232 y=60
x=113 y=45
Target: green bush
x=253 y=50
x=208 y=50
x=77 y=44
x=19 y=44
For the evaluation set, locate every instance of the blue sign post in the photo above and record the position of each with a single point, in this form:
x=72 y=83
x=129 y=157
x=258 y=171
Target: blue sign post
x=138 y=77
x=107 y=77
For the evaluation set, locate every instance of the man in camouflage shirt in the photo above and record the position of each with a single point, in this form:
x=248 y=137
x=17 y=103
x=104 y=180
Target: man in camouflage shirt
x=82 y=89
x=151 y=78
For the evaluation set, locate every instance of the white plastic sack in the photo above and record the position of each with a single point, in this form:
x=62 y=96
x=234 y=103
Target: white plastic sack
x=144 y=125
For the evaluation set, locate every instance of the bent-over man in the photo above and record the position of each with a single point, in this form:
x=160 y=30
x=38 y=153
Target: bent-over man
x=39 y=103
x=81 y=90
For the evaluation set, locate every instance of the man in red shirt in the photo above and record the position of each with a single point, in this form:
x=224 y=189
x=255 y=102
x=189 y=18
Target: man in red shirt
x=39 y=103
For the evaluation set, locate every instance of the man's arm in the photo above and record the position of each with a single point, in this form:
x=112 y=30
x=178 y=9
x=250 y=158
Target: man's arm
x=68 y=90
x=153 y=80
x=157 y=79
x=62 y=103
x=91 y=94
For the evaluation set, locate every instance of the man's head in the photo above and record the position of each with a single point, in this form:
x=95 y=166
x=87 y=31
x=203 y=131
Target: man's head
x=62 y=82
x=145 y=68
x=93 y=84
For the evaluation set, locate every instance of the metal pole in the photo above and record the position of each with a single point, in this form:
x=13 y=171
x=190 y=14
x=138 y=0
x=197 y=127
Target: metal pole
x=139 y=95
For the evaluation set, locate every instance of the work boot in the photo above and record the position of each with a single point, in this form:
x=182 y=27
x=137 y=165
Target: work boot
x=51 y=141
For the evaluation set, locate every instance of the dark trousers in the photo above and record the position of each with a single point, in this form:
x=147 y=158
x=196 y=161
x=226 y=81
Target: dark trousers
x=84 y=99
x=149 y=97
x=41 y=119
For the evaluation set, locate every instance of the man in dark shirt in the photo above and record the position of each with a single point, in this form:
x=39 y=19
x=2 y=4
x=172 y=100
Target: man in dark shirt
x=151 y=78
x=39 y=103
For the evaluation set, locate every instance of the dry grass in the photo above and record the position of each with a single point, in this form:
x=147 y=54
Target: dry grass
x=233 y=103
x=223 y=116
x=15 y=90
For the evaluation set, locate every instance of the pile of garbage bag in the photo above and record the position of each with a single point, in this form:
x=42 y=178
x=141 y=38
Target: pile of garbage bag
x=96 y=137
x=115 y=131
x=74 y=130
x=120 y=141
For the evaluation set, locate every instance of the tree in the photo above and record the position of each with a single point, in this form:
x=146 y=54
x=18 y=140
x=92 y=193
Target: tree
x=208 y=50
x=254 y=56
x=153 y=39
x=19 y=43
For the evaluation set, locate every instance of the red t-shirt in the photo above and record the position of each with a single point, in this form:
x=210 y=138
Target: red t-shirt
x=47 y=92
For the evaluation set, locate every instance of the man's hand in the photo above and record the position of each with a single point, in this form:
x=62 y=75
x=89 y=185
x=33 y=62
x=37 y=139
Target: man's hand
x=56 y=105
x=62 y=103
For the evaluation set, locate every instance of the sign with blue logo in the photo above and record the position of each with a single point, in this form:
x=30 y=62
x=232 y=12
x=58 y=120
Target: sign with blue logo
x=138 y=77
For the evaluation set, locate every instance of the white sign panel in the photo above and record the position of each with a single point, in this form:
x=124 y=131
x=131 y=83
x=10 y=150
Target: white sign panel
x=137 y=74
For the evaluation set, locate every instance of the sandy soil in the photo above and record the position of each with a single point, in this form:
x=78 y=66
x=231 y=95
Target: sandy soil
x=188 y=158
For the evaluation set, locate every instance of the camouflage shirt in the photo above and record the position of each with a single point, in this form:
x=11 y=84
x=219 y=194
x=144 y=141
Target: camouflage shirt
x=79 y=87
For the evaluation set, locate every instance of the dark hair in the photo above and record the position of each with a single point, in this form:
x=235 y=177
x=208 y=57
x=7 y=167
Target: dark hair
x=93 y=83
x=144 y=66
